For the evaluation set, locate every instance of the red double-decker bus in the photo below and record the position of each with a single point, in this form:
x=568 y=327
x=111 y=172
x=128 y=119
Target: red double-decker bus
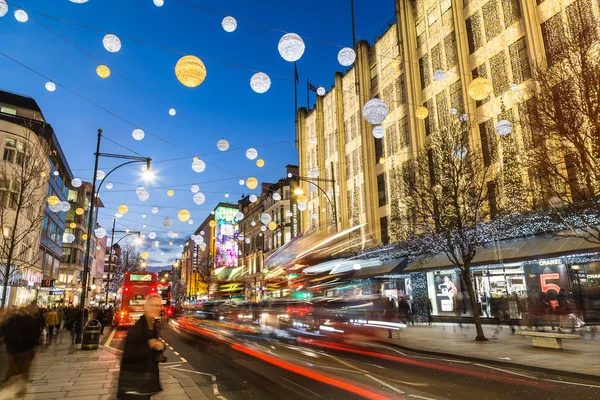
x=136 y=287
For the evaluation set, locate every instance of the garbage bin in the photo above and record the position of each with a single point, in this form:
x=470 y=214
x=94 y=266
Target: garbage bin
x=91 y=335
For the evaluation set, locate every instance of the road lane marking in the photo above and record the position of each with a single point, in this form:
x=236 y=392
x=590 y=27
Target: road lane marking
x=301 y=387
x=395 y=389
x=170 y=348
x=183 y=359
x=348 y=364
x=189 y=370
x=110 y=338
x=176 y=353
x=572 y=383
x=420 y=397
x=408 y=383
x=507 y=371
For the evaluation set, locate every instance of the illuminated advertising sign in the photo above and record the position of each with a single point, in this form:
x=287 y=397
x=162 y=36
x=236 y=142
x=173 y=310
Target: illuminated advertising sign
x=226 y=232
x=295 y=217
x=225 y=215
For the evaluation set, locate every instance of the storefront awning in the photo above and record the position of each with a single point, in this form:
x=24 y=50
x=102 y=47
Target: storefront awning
x=388 y=267
x=514 y=250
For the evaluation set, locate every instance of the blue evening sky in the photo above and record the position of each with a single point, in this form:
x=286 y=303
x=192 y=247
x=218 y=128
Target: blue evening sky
x=224 y=103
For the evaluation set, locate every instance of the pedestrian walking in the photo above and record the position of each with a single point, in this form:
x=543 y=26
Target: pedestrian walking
x=429 y=308
x=100 y=316
x=51 y=320
x=143 y=351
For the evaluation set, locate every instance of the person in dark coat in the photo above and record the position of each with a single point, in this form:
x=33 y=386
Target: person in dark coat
x=143 y=351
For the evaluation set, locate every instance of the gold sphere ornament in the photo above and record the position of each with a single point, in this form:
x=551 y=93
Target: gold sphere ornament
x=421 y=112
x=84 y=236
x=190 y=71
x=103 y=71
x=183 y=215
x=144 y=255
x=260 y=163
x=72 y=225
x=480 y=88
x=170 y=193
x=170 y=243
x=43 y=174
x=252 y=183
x=302 y=198
x=123 y=209
x=212 y=224
x=53 y=200
x=272 y=226
x=79 y=211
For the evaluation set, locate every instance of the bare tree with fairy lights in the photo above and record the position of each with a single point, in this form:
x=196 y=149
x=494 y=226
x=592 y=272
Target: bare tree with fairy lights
x=446 y=191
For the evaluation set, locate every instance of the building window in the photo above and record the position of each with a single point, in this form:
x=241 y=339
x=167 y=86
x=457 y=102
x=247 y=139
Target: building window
x=512 y=11
x=456 y=96
x=378 y=148
x=400 y=90
x=572 y=167
x=470 y=36
x=499 y=73
x=381 y=190
x=374 y=76
x=424 y=71
x=491 y=21
x=491 y=189
x=8 y=110
x=403 y=132
x=488 y=142
x=431 y=164
x=552 y=31
x=385 y=237
x=519 y=61
x=451 y=50
x=430 y=119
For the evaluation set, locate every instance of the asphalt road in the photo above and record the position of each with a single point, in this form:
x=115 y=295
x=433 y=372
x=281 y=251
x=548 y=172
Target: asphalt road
x=236 y=365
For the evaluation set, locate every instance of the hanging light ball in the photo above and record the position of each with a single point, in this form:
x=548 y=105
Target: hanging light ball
x=183 y=215
x=375 y=111
x=167 y=222
x=314 y=173
x=278 y=234
x=503 y=127
x=313 y=140
x=242 y=182
x=172 y=112
x=79 y=211
x=21 y=16
x=276 y=196
x=198 y=165
x=378 y=132
x=170 y=192
x=76 y=182
x=103 y=71
x=227 y=195
x=229 y=24
x=272 y=226
x=170 y=243
x=53 y=200
x=123 y=209
x=514 y=87
x=346 y=57
x=263 y=228
x=480 y=88
x=195 y=188
x=118 y=215
x=3 y=8
x=291 y=47
x=190 y=71
x=139 y=190
x=265 y=218
x=459 y=151
x=212 y=223
x=191 y=222
x=253 y=223
x=55 y=208
x=154 y=210
x=199 y=198
x=144 y=196
x=252 y=183
x=84 y=236
x=253 y=198
x=439 y=75
x=138 y=134
x=50 y=86
x=302 y=198
x=260 y=82
x=111 y=43
x=464 y=117
x=78 y=1
x=421 y=112
x=251 y=153
x=109 y=186
x=222 y=145
x=247 y=240
x=321 y=91
x=239 y=216
x=70 y=238
x=453 y=111
x=72 y=225
x=260 y=163
x=144 y=255
x=100 y=232
x=302 y=206
x=152 y=235
x=65 y=206
x=158 y=3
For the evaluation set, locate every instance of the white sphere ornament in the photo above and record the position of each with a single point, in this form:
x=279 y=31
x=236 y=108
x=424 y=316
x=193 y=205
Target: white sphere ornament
x=265 y=218
x=109 y=186
x=198 y=165
x=154 y=210
x=21 y=16
x=239 y=216
x=195 y=188
x=459 y=151
x=453 y=111
x=260 y=82
x=78 y=1
x=199 y=198
x=139 y=190
x=464 y=117
x=138 y=134
x=227 y=195
x=222 y=145
x=70 y=238
x=100 y=232
x=229 y=24
x=291 y=47
x=167 y=222
x=118 y=215
x=253 y=198
x=112 y=43
x=278 y=234
x=301 y=206
x=378 y=132
x=253 y=223
x=191 y=221
x=100 y=174
x=144 y=196
x=76 y=182
x=152 y=235
x=143 y=215
x=172 y=112
x=242 y=182
x=158 y=3
x=263 y=228
x=439 y=75
x=346 y=57
x=3 y=8
x=321 y=91
x=65 y=206
x=313 y=140
x=276 y=196
x=514 y=87
x=314 y=173
x=56 y=173
x=247 y=240
x=50 y=86
x=375 y=111
x=503 y=127
x=251 y=153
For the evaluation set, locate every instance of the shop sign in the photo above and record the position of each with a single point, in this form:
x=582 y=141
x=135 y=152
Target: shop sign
x=56 y=292
x=225 y=214
x=593 y=276
x=555 y=261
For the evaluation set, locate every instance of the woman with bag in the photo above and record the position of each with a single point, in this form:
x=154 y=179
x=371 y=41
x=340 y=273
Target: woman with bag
x=143 y=351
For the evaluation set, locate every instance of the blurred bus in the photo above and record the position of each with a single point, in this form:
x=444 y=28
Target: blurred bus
x=136 y=287
x=164 y=289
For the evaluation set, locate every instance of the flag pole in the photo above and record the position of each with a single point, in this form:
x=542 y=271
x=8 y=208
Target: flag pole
x=296 y=100
x=307 y=94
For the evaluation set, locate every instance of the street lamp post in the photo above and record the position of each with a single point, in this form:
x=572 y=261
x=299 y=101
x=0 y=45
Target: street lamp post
x=86 y=261
x=332 y=202
x=110 y=254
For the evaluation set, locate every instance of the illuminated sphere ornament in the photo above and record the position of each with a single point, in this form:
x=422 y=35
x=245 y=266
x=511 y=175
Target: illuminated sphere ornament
x=378 y=132
x=346 y=57
x=453 y=111
x=3 y=8
x=172 y=112
x=503 y=127
x=138 y=134
x=154 y=210
x=263 y=228
x=514 y=87
x=190 y=71
x=313 y=140
x=260 y=82
x=464 y=117
x=79 y=211
x=278 y=234
x=111 y=43
x=170 y=192
x=144 y=196
x=109 y=186
x=253 y=223
x=291 y=47
x=260 y=163
x=480 y=88
x=439 y=75
x=191 y=222
x=302 y=206
x=239 y=216
x=21 y=16
x=251 y=153
x=265 y=218
x=50 y=86
x=139 y=190
x=118 y=215
x=222 y=145
x=76 y=182
x=227 y=195
x=198 y=165
x=167 y=222
x=421 y=112
x=252 y=183
x=314 y=173
x=195 y=188
x=321 y=91
x=100 y=232
x=84 y=236
x=183 y=215
x=302 y=198
x=103 y=71
x=152 y=235
x=144 y=255
x=253 y=198
x=53 y=200
x=170 y=243
x=242 y=182
x=199 y=198
x=459 y=151
x=65 y=206
x=212 y=223
x=70 y=238
x=375 y=111
x=78 y=1
x=72 y=225
x=229 y=24
x=158 y=3
x=247 y=240
x=276 y=196
x=55 y=208
x=123 y=209
x=272 y=226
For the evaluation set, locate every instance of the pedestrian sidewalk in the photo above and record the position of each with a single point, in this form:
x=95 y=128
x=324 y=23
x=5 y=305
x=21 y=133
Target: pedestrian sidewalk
x=60 y=371
x=577 y=356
